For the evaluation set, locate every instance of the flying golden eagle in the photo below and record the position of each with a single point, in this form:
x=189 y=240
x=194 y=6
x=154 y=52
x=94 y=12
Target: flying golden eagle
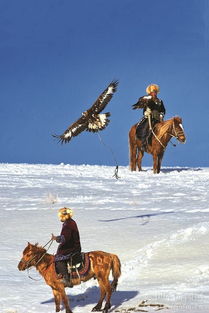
x=91 y=120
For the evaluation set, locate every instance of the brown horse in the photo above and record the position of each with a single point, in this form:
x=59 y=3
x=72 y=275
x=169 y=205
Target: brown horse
x=161 y=135
x=101 y=263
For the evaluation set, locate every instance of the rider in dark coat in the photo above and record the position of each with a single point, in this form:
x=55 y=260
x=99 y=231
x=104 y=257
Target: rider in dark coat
x=69 y=243
x=153 y=110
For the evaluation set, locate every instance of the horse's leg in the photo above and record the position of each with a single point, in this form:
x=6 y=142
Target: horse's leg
x=66 y=302
x=105 y=289
x=139 y=159
x=63 y=296
x=155 y=163
x=160 y=157
x=114 y=284
x=108 y=290
x=102 y=296
x=133 y=152
x=57 y=299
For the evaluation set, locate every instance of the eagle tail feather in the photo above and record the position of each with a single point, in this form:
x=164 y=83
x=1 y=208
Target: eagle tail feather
x=99 y=122
x=61 y=138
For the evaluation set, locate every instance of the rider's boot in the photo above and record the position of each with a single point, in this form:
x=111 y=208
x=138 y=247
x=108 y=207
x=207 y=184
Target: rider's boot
x=67 y=281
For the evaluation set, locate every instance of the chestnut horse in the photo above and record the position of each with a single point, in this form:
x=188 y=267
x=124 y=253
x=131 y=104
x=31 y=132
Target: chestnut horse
x=161 y=135
x=101 y=263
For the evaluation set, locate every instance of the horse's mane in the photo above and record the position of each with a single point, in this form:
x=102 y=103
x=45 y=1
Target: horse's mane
x=163 y=127
x=40 y=247
x=35 y=247
x=39 y=251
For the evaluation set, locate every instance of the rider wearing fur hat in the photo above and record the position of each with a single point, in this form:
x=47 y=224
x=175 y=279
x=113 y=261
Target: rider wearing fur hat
x=69 y=243
x=153 y=110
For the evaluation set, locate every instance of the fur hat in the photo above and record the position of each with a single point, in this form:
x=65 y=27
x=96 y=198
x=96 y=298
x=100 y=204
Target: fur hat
x=152 y=87
x=65 y=213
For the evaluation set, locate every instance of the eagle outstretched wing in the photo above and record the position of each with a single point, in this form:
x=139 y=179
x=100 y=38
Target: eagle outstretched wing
x=104 y=98
x=91 y=120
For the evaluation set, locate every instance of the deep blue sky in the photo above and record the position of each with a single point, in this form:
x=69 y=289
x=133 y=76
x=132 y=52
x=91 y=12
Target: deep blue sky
x=56 y=56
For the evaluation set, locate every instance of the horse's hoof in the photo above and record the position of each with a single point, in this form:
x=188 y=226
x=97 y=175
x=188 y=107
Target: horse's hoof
x=97 y=308
x=106 y=308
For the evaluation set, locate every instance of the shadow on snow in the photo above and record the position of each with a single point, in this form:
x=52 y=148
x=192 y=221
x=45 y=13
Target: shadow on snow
x=173 y=169
x=91 y=296
x=179 y=169
x=144 y=217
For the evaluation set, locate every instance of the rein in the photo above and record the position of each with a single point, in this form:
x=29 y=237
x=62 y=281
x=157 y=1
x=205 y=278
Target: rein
x=176 y=134
x=150 y=127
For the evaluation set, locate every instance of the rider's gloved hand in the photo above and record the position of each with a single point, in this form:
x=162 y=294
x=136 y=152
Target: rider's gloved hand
x=53 y=237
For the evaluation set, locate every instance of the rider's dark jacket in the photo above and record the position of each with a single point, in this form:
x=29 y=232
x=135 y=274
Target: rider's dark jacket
x=69 y=240
x=157 y=112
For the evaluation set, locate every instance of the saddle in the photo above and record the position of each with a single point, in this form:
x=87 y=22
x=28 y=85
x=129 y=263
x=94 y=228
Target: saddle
x=78 y=265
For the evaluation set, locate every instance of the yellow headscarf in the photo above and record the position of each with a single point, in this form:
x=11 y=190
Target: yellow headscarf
x=65 y=213
x=152 y=87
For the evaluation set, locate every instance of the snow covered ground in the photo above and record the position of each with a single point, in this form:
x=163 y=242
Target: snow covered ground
x=157 y=224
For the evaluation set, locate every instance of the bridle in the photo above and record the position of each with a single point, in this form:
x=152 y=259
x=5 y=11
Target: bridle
x=176 y=133
x=39 y=260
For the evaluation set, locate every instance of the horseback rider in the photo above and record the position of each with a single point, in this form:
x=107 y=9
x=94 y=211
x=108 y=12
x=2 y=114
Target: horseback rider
x=153 y=110
x=69 y=244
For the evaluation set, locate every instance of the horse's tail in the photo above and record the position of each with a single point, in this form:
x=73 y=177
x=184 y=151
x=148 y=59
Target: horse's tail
x=116 y=271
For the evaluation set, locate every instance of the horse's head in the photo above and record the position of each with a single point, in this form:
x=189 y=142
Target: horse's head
x=30 y=257
x=178 y=130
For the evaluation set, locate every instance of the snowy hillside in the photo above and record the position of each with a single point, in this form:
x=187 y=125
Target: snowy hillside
x=158 y=225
